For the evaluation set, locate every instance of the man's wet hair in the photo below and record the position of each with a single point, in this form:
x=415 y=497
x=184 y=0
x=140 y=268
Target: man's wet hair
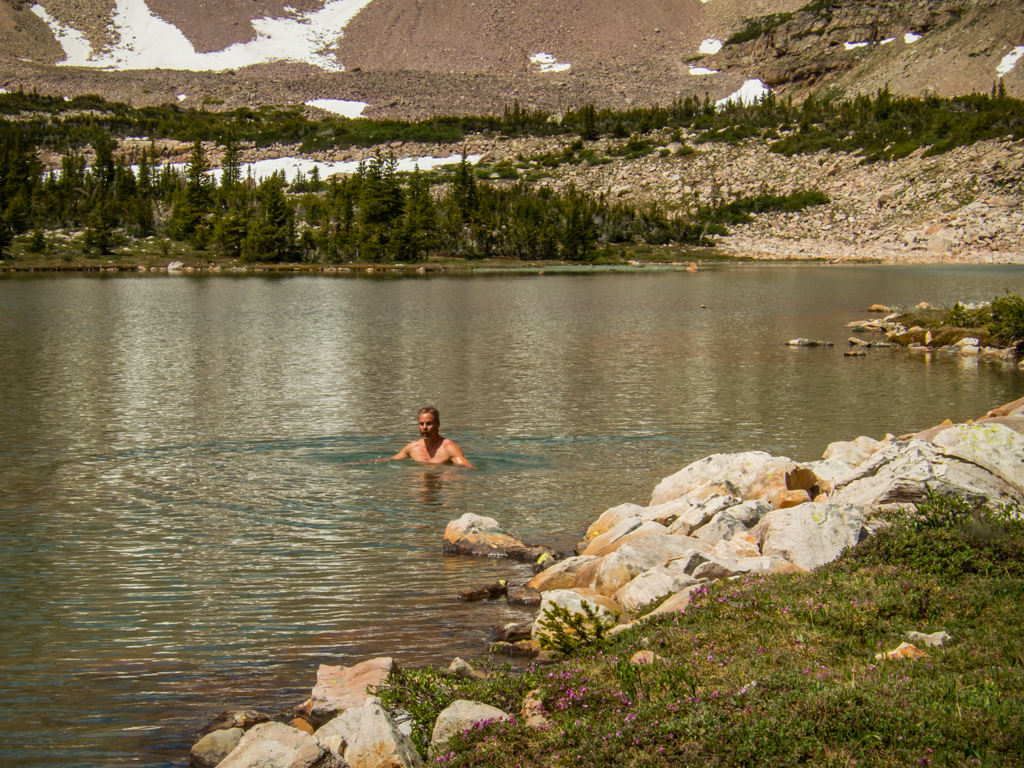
x=432 y=411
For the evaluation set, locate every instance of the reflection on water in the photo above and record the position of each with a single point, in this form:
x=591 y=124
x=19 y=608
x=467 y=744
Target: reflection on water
x=180 y=529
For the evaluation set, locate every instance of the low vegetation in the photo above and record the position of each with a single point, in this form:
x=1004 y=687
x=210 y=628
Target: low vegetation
x=782 y=670
x=999 y=321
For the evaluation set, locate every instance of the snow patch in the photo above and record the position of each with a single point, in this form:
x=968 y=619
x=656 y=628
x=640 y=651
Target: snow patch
x=1010 y=61
x=145 y=41
x=750 y=93
x=182 y=97
x=910 y=37
x=76 y=48
x=339 y=106
x=4 y=90
x=292 y=165
x=703 y=71
x=851 y=46
x=886 y=41
x=710 y=46
x=547 y=63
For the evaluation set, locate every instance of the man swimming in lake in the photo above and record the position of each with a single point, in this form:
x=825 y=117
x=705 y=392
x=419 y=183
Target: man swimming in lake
x=431 y=448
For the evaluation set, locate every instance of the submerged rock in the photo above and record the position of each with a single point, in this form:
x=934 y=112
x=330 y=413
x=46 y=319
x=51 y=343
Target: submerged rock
x=475 y=535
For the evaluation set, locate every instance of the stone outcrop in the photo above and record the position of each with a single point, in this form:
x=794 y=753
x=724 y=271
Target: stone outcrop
x=461 y=715
x=277 y=745
x=654 y=584
x=475 y=535
x=341 y=688
x=901 y=475
x=751 y=475
x=561 y=575
x=366 y=736
x=811 y=534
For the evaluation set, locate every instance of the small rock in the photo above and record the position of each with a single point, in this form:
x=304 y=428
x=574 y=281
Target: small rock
x=462 y=669
x=533 y=710
x=475 y=535
x=855 y=353
x=240 y=718
x=490 y=592
x=523 y=596
x=807 y=343
x=903 y=651
x=879 y=308
x=519 y=649
x=512 y=631
x=934 y=640
x=644 y=657
x=210 y=750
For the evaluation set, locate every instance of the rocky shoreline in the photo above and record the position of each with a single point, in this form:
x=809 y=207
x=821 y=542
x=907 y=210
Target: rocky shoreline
x=724 y=517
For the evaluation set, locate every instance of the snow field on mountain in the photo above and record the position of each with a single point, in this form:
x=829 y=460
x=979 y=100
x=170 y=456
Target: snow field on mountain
x=547 y=63
x=291 y=166
x=749 y=93
x=1010 y=61
x=339 y=106
x=145 y=41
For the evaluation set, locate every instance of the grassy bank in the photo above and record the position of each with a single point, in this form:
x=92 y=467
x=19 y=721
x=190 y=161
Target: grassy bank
x=782 y=670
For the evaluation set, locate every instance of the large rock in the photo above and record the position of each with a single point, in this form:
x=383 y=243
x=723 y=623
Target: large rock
x=853 y=453
x=900 y=475
x=367 y=737
x=613 y=572
x=602 y=546
x=993 y=446
x=341 y=688
x=274 y=745
x=751 y=475
x=811 y=534
x=698 y=512
x=678 y=603
x=475 y=535
x=572 y=600
x=654 y=584
x=561 y=575
x=210 y=750
x=716 y=568
x=462 y=715
x=612 y=517
x=722 y=526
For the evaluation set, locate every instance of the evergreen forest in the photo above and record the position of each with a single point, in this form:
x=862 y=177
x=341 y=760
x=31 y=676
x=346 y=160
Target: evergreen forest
x=380 y=215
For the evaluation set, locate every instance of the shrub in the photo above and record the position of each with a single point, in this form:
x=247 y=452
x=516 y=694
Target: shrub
x=568 y=632
x=1007 y=318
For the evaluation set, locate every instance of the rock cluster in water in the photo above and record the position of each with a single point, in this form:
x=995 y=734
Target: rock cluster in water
x=720 y=517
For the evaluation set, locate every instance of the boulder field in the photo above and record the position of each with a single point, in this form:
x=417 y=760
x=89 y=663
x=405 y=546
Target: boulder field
x=722 y=517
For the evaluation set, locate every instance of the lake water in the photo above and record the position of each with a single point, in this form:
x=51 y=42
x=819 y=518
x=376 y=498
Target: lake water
x=179 y=534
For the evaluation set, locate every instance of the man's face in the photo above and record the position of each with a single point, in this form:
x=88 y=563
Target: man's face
x=428 y=425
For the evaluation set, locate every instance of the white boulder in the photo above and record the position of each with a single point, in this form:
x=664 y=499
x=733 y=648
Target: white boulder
x=810 y=534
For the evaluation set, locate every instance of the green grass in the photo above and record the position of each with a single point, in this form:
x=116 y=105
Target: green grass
x=781 y=671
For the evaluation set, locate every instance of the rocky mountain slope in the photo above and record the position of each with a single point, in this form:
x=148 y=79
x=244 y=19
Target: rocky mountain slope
x=413 y=58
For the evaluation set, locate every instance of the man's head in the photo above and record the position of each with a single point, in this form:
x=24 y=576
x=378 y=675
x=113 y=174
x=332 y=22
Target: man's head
x=429 y=421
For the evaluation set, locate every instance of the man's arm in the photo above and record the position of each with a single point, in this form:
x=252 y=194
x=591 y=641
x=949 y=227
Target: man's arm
x=405 y=453
x=457 y=456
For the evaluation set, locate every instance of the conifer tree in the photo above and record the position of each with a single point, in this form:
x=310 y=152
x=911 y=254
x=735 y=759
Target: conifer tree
x=271 y=236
